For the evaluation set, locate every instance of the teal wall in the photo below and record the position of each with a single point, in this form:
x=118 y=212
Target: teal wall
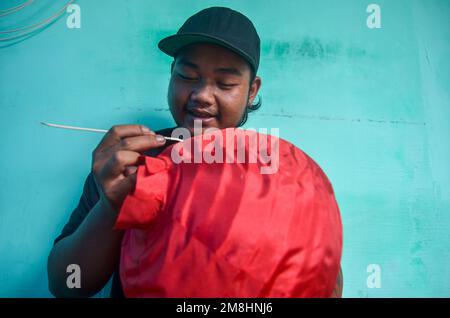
x=371 y=106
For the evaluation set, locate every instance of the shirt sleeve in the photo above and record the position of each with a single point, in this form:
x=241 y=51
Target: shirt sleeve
x=87 y=201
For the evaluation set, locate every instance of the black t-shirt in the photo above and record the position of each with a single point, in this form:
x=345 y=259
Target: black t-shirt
x=87 y=201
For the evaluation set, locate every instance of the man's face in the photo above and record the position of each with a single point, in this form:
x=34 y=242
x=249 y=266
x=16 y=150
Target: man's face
x=210 y=84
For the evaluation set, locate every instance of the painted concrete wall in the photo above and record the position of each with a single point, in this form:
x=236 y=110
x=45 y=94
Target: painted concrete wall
x=371 y=106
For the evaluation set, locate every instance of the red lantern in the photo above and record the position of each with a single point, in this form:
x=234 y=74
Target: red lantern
x=211 y=229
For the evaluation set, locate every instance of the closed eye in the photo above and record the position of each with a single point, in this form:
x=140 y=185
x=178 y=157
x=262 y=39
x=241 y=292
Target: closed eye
x=186 y=77
x=221 y=84
x=226 y=85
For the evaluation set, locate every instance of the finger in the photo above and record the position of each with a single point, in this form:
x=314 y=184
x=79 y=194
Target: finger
x=127 y=184
x=119 y=160
x=116 y=133
x=129 y=170
x=140 y=143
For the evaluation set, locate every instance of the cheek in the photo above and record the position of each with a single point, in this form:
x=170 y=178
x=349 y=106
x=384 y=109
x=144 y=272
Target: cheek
x=232 y=108
x=176 y=96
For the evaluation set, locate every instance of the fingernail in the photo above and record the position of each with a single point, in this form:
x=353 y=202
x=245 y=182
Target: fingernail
x=147 y=131
x=160 y=138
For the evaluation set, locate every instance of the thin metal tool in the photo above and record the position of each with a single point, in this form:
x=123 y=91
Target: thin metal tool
x=93 y=130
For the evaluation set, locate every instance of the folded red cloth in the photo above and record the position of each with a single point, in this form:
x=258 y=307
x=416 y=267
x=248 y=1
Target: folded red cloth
x=228 y=230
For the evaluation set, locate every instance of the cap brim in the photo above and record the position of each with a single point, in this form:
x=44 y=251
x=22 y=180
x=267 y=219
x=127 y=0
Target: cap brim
x=172 y=44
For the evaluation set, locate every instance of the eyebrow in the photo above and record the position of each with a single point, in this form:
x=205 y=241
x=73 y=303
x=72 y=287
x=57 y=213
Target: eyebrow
x=224 y=70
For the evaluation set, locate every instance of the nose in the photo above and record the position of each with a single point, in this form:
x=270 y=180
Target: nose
x=203 y=95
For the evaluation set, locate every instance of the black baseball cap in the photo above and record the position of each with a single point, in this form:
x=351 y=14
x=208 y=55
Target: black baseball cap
x=217 y=25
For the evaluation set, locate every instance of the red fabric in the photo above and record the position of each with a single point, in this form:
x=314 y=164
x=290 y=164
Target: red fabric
x=226 y=230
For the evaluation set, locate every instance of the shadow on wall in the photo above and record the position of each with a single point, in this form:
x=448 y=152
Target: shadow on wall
x=309 y=47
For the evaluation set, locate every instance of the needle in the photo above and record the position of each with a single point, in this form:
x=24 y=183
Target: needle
x=93 y=130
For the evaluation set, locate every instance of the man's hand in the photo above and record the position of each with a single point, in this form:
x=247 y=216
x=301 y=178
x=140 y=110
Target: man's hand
x=115 y=161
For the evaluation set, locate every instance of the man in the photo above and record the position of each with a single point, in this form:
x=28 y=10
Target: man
x=213 y=80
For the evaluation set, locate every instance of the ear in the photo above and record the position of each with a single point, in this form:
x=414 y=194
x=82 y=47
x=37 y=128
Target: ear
x=254 y=89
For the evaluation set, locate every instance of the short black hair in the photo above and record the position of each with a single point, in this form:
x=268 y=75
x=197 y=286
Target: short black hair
x=248 y=108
